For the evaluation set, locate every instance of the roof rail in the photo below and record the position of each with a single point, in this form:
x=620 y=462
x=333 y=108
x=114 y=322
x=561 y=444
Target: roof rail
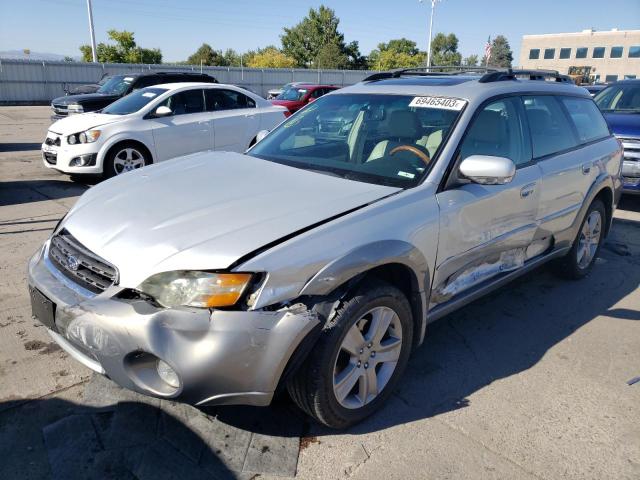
x=436 y=70
x=510 y=74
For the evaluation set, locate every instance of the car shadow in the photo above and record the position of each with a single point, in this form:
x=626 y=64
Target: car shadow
x=19 y=147
x=59 y=439
x=17 y=192
x=630 y=203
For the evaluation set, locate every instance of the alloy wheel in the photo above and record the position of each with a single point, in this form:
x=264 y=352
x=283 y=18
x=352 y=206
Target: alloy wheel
x=589 y=239
x=127 y=159
x=367 y=357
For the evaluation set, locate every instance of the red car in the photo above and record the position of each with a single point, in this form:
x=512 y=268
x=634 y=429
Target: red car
x=297 y=96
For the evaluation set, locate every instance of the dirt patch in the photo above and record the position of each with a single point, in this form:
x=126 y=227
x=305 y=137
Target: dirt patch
x=50 y=347
x=34 y=345
x=305 y=442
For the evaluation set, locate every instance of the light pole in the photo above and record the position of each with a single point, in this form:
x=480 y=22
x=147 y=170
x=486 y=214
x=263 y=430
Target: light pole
x=93 y=36
x=433 y=9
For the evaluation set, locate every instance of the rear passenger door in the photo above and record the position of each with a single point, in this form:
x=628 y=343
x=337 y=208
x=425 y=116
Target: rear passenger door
x=567 y=171
x=187 y=130
x=235 y=119
x=486 y=230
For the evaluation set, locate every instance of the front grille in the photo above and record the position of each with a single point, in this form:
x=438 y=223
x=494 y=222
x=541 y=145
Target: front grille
x=50 y=158
x=631 y=149
x=59 y=109
x=80 y=264
x=52 y=141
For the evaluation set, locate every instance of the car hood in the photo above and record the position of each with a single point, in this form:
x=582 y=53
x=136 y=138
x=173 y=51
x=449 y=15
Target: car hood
x=84 y=98
x=83 y=121
x=624 y=124
x=206 y=211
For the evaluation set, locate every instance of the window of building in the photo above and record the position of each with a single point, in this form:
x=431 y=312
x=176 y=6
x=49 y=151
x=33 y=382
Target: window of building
x=634 y=52
x=581 y=52
x=565 y=53
x=549 y=53
x=611 y=78
x=598 y=52
x=534 y=54
x=616 y=52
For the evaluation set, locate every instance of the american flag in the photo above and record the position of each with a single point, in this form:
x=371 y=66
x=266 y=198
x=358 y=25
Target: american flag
x=487 y=50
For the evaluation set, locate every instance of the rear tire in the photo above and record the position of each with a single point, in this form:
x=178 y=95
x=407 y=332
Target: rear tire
x=125 y=157
x=580 y=260
x=344 y=379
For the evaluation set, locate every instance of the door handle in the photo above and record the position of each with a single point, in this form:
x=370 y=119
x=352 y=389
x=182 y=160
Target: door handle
x=527 y=190
x=586 y=168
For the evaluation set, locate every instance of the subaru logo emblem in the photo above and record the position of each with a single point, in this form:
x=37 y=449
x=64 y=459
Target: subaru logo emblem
x=72 y=263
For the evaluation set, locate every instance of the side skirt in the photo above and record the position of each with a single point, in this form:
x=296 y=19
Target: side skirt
x=481 y=290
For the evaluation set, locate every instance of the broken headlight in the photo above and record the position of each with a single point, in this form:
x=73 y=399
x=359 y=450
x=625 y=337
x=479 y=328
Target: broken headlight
x=195 y=288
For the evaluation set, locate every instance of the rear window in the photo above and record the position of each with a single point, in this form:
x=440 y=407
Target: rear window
x=551 y=130
x=589 y=122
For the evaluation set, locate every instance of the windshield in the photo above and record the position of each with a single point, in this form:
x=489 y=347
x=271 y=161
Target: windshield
x=620 y=98
x=382 y=139
x=292 y=94
x=134 y=101
x=116 y=85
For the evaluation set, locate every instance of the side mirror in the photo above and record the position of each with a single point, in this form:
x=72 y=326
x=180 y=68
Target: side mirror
x=312 y=99
x=261 y=135
x=488 y=170
x=162 y=111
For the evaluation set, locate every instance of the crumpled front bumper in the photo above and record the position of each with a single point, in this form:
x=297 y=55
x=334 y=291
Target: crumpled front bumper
x=220 y=356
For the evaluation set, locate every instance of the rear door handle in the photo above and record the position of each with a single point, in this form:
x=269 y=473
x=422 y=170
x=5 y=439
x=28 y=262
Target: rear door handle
x=586 y=168
x=527 y=190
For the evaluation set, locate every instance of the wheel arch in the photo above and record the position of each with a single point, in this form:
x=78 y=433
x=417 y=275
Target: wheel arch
x=114 y=142
x=394 y=261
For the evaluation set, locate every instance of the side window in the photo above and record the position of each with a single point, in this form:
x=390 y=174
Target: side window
x=589 y=122
x=189 y=101
x=550 y=128
x=498 y=130
x=317 y=93
x=218 y=99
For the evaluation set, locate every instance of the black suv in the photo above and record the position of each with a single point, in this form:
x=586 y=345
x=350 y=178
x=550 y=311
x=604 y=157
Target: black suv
x=118 y=86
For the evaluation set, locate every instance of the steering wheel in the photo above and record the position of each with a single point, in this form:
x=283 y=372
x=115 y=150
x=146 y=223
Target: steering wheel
x=412 y=149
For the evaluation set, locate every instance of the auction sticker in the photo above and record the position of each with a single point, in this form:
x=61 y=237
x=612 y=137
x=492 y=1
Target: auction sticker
x=443 y=103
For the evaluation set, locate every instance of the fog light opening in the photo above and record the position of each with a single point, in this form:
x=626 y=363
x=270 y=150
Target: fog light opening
x=83 y=160
x=167 y=374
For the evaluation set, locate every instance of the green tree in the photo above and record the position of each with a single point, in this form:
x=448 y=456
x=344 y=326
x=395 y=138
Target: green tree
x=125 y=50
x=470 y=61
x=444 y=50
x=317 y=32
x=231 y=58
x=397 y=53
x=331 y=57
x=68 y=59
x=207 y=56
x=501 y=54
x=270 y=57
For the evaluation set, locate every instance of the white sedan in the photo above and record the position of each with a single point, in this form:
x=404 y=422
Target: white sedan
x=158 y=123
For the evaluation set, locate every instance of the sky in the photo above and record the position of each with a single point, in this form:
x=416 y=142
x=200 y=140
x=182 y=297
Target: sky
x=178 y=28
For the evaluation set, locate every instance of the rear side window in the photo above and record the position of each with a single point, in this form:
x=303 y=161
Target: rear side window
x=589 y=122
x=551 y=130
x=498 y=131
x=218 y=99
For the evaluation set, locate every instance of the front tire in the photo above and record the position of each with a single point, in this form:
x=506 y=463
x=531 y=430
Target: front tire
x=580 y=260
x=125 y=157
x=359 y=358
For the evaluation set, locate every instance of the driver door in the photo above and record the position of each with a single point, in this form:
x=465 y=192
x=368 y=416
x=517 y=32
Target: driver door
x=486 y=230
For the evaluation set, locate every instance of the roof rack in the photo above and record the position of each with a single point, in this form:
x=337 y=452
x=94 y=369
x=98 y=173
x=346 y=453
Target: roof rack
x=510 y=74
x=436 y=70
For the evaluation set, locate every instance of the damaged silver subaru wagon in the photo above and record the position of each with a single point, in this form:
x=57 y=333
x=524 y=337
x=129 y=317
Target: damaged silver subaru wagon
x=315 y=260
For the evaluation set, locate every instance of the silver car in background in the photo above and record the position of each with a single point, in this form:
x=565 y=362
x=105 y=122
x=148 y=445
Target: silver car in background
x=316 y=260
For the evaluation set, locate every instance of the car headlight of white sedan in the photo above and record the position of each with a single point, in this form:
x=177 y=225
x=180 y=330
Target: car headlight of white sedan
x=196 y=288
x=89 y=136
